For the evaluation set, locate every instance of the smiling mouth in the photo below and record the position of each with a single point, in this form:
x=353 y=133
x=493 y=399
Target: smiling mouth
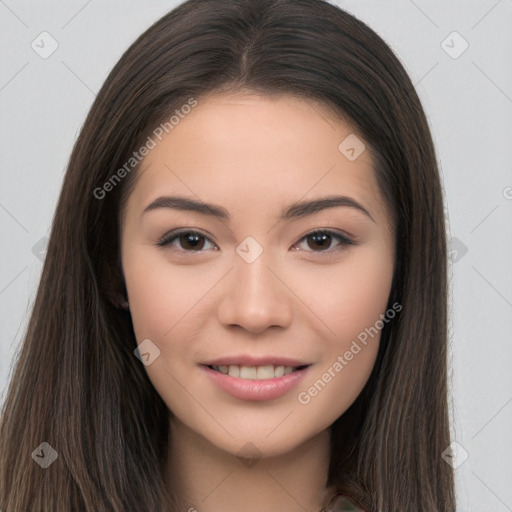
x=256 y=372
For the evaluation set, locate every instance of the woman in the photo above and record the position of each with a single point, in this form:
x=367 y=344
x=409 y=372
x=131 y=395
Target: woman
x=243 y=303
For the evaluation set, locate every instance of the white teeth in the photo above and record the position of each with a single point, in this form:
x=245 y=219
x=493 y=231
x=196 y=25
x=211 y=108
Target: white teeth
x=248 y=372
x=263 y=372
x=279 y=371
x=234 y=371
x=254 y=372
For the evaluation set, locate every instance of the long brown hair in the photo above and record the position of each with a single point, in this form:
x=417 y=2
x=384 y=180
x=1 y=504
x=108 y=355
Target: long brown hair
x=77 y=384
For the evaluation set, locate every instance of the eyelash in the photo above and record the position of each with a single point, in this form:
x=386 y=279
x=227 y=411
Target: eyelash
x=343 y=240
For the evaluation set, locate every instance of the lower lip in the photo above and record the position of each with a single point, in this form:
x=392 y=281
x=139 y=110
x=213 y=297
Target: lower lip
x=254 y=389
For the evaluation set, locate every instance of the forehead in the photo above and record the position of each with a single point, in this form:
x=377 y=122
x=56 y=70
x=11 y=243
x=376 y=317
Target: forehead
x=248 y=149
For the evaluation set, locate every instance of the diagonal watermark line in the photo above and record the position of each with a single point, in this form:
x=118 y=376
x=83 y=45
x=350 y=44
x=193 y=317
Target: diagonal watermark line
x=75 y=15
x=491 y=491
x=300 y=300
x=320 y=114
x=314 y=185
x=491 y=419
x=492 y=211
x=286 y=491
x=222 y=220
x=165 y=165
x=492 y=81
x=14 y=218
x=12 y=280
x=78 y=77
x=424 y=13
x=13 y=13
x=280 y=423
x=493 y=287
x=217 y=486
x=199 y=300
x=198 y=402
x=485 y=15
x=425 y=75
x=14 y=76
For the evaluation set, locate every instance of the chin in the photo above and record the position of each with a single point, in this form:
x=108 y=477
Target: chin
x=259 y=444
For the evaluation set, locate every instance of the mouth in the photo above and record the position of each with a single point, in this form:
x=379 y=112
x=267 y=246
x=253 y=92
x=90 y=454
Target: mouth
x=256 y=372
x=258 y=383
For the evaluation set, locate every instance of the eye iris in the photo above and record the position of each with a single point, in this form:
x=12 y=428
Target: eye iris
x=192 y=241
x=322 y=241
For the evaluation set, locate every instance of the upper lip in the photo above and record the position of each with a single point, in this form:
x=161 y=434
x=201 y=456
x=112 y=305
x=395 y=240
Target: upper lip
x=248 y=360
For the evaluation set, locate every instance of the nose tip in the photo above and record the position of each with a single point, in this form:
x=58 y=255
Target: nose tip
x=254 y=298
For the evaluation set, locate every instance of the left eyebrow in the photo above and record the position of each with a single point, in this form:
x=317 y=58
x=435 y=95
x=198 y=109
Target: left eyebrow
x=304 y=208
x=293 y=211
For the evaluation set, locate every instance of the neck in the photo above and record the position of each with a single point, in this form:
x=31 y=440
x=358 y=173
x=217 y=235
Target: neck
x=205 y=478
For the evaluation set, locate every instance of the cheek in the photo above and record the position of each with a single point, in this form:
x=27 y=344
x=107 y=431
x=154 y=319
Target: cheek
x=171 y=306
x=349 y=297
x=164 y=307
x=350 y=300
x=361 y=298
x=149 y=298
x=163 y=297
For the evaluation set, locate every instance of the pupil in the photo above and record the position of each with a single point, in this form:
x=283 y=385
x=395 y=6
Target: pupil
x=192 y=241
x=322 y=241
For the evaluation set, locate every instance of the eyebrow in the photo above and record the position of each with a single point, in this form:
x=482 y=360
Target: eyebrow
x=293 y=211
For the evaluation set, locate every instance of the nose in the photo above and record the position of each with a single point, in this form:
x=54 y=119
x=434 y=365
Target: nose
x=254 y=298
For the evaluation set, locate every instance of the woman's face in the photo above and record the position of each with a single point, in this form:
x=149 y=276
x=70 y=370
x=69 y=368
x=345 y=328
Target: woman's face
x=234 y=257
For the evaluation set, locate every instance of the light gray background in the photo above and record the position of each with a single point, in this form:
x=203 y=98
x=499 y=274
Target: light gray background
x=468 y=100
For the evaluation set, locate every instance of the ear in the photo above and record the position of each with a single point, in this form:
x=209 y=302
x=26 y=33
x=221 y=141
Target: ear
x=114 y=286
x=117 y=299
x=121 y=303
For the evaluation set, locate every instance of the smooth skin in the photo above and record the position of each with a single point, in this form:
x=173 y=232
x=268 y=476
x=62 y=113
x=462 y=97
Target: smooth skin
x=305 y=297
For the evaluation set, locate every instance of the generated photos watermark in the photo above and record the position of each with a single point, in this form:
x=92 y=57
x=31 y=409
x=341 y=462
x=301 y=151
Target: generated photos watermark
x=143 y=151
x=304 y=397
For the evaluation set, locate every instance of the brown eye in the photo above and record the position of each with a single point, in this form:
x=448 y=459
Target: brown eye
x=319 y=241
x=322 y=241
x=186 y=241
x=191 y=241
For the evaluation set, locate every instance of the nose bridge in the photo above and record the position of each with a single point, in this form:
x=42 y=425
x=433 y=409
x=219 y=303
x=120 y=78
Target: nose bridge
x=255 y=298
